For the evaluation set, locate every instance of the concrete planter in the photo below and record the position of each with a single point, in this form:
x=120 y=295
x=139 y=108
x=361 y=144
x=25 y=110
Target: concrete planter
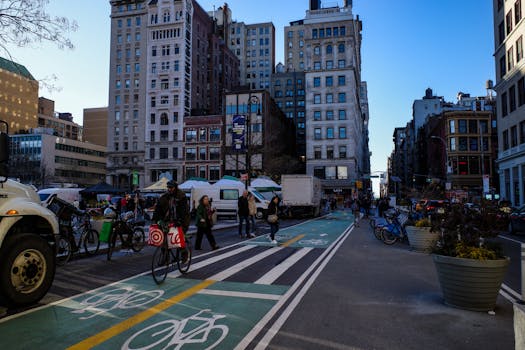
x=470 y=284
x=420 y=238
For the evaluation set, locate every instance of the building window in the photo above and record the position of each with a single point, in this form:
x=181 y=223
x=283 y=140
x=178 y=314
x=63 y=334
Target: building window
x=510 y=59
x=215 y=135
x=317 y=115
x=342 y=152
x=314 y=33
x=329 y=98
x=505 y=140
x=341 y=80
x=342 y=114
x=317 y=133
x=508 y=22
x=317 y=99
x=341 y=64
x=522 y=132
x=452 y=125
x=517 y=11
x=521 y=91
x=164 y=99
x=341 y=48
x=191 y=135
x=341 y=97
x=329 y=49
x=215 y=153
x=512 y=98
x=452 y=143
x=330 y=152
x=329 y=81
x=473 y=144
x=317 y=152
x=342 y=132
x=152 y=118
x=502 y=66
x=164 y=119
x=164 y=84
x=329 y=115
x=462 y=126
x=202 y=153
x=319 y=172
x=191 y=153
x=504 y=110
x=317 y=81
x=329 y=64
x=163 y=153
x=152 y=153
x=513 y=136
x=463 y=144
x=330 y=172
x=519 y=49
x=330 y=133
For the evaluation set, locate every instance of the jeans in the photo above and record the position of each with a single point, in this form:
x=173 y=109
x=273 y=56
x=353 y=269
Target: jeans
x=252 y=223
x=273 y=230
x=245 y=219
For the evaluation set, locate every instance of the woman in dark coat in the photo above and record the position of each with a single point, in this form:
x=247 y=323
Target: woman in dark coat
x=204 y=223
x=273 y=210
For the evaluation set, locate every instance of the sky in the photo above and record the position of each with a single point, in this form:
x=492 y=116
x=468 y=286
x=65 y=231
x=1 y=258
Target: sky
x=408 y=46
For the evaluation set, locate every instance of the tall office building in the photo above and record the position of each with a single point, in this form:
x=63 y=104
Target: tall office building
x=127 y=93
x=254 y=45
x=509 y=30
x=18 y=97
x=326 y=45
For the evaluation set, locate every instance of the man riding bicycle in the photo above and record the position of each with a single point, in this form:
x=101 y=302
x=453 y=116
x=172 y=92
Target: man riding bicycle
x=172 y=207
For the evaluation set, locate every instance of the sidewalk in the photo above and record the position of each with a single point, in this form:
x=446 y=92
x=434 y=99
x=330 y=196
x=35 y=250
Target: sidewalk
x=374 y=296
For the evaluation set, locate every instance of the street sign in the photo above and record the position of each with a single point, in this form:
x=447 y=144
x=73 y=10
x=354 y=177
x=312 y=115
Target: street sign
x=238 y=132
x=135 y=179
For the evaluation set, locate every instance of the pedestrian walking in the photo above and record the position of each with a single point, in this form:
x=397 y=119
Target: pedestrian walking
x=252 y=206
x=357 y=212
x=273 y=218
x=244 y=213
x=204 y=223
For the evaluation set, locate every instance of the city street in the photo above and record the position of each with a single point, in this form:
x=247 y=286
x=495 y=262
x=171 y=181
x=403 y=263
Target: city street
x=302 y=294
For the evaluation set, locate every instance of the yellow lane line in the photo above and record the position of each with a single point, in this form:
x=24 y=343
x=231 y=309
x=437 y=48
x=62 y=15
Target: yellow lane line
x=292 y=241
x=111 y=332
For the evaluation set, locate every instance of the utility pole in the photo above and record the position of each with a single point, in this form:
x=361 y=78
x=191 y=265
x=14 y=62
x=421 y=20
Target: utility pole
x=252 y=100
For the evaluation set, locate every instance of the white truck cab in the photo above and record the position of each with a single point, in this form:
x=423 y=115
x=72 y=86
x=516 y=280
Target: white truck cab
x=28 y=234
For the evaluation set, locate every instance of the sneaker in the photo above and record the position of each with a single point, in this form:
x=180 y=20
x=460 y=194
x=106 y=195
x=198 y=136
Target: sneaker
x=273 y=241
x=184 y=257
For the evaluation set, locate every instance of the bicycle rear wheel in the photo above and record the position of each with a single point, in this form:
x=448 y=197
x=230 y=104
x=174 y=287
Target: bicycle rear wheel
x=63 y=250
x=184 y=259
x=91 y=242
x=112 y=244
x=160 y=264
x=388 y=237
x=377 y=233
x=137 y=239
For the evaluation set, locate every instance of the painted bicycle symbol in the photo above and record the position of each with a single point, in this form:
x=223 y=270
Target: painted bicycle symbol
x=172 y=334
x=119 y=298
x=313 y=242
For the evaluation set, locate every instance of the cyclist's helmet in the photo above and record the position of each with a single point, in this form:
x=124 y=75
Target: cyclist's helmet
x=109 y=213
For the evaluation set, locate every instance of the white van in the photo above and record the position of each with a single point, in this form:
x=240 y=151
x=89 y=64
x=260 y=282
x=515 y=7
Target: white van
x=224 y=199
x=71 y=195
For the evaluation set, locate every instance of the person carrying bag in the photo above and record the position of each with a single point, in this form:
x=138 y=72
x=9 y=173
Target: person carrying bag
x=204 y=223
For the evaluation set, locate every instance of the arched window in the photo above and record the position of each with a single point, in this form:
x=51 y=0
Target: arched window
x=164 y=119
x=341 y=48
x=166 y=17
x=329 y=50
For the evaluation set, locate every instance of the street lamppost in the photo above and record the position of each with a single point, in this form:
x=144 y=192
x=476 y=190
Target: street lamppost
x=252 y=100
x=446 y=154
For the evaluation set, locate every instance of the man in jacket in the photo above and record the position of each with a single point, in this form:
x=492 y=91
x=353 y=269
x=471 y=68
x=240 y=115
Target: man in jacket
x=173 y=207
x=244 y=213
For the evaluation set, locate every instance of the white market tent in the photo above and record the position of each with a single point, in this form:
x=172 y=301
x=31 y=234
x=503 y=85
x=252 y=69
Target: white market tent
x=189 y=184
x=158 y=186
x=265 y=185
x=229 y=181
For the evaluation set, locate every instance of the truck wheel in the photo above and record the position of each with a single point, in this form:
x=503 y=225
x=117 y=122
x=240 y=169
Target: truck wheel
x=259 y=214
x=27 y=269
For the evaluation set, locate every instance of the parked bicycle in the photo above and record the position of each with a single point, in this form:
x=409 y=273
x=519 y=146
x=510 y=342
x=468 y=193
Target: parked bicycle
x=378 y=223
x=126 y=232
x=394 y=231
x=165 y=258
x=72 y=221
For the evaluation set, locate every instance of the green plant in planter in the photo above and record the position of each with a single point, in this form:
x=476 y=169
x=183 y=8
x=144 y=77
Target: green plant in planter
x=425 y=222
x=467 y=233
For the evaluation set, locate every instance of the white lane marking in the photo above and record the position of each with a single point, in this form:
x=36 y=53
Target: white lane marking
x=221 y=276
x=510 y=239
x=265 y=341
x=213 y=260
x=507 y=296
x=261 y=324
x=227 y=293
x=511 y=291
x=280 y=269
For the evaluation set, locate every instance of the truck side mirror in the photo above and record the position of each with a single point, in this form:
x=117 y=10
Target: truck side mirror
x=4 y=154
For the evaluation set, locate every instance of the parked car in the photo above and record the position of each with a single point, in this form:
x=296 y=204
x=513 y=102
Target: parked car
x=517 y=220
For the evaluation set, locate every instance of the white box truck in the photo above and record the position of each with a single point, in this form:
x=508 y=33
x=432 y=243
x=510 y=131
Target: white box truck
x=28 y=235
x=301 y=194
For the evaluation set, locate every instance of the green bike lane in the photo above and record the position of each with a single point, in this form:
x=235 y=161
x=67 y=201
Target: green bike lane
x=191 y=313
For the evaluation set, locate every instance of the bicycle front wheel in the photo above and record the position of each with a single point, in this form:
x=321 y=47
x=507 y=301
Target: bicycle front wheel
x=137 y=239
x=184 y=259
x=160 y=264
x=377 y=233
x=63 y=250
x=388 y=237
x=91 y=242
